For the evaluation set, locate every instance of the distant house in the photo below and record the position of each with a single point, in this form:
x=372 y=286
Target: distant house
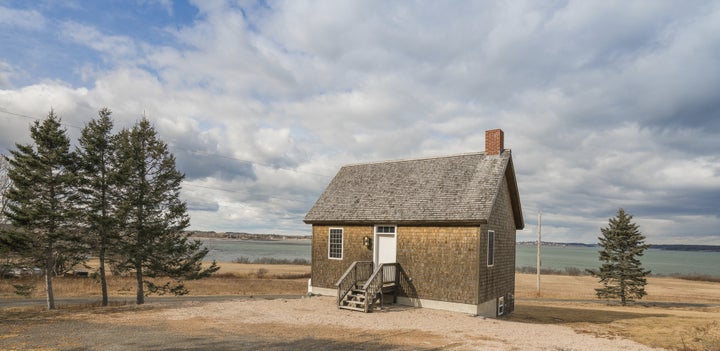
x=435 y=232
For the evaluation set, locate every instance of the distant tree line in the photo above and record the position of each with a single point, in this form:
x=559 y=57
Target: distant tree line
x=245 y=236
x=272 y=260
x=113 y=196
x=682 y=247
x=668 y=247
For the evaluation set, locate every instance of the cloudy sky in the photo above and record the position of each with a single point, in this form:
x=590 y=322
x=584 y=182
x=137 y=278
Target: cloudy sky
x=605 y=104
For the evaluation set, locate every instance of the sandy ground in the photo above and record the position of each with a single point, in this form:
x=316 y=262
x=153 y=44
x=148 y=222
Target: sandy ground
x=313 y=323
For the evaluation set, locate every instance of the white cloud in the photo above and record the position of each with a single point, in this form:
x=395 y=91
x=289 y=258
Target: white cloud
x=165 y=4
x=34 y=102
x=113 y=46
x=604 y=106
x=23 y=19
x=5 y=72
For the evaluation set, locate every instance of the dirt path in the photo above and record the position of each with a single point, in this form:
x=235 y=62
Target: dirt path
x=283 y=324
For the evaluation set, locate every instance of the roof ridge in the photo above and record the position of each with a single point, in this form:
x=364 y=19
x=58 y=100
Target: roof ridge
x=417 y=159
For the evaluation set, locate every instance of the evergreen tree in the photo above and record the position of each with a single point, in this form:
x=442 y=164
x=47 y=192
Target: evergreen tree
x=621 y=271
x=97 y=178
x=41 y=199
x=153 y=215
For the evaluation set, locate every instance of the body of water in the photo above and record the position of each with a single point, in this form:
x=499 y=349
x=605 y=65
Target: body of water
x=659 y=261
x=227 y=250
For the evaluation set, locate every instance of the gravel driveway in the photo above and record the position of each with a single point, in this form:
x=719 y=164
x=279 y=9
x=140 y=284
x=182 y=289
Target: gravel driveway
x=282 y=324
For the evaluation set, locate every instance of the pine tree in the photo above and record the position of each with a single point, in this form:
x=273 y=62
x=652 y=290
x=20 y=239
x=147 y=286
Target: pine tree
x=153 y=215
x=42 y=197
x=97 y=178
x=621 y=271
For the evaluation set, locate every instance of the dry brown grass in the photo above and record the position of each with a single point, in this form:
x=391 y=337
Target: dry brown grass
x=686 y=328
x=672 y=316
x=659 y=289
x=231 y=279
x=275 y=270
x=676 y=314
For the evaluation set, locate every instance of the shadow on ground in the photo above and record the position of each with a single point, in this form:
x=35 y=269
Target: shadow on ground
x=300 y=344
x=69 y=329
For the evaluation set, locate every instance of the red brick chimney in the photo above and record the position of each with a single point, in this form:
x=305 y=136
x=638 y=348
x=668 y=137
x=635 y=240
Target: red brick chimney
x=494 y=142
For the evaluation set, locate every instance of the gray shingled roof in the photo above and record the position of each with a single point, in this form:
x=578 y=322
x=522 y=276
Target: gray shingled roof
x=458 y=189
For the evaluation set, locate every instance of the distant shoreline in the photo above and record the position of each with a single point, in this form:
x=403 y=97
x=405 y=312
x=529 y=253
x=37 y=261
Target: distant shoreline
x=295 y=240
x=279 y=237
x=246 y=236
x=667 y=247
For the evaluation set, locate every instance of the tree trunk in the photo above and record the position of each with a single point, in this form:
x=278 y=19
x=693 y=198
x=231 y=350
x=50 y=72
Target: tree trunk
x=48 y=283
x=103 y=280
x=140 y=293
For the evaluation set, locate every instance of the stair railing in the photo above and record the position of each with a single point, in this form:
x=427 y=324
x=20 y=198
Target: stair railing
x=357 y=272
x=384 y=274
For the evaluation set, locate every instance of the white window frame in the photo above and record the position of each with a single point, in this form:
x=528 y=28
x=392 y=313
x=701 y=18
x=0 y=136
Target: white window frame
x=491 y=248
x=330 y=243
x=394 y=229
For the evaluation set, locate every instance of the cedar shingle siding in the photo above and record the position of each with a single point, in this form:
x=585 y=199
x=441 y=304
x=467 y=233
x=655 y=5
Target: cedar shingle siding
x=443 y=208
x=441 y=261
x=326 y=272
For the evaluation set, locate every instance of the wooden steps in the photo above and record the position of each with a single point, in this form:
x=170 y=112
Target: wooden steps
x=365 y=291
x=354 y=300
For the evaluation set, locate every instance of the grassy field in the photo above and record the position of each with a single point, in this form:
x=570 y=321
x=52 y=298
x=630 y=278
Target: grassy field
x=232 y=279
x=677 y=314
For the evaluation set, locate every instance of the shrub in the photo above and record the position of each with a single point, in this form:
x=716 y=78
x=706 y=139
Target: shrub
x=272 y=260
x=24 y=290
x=700 y=278
x=573 y=271
x=261 y=272
x=294 y=276
x=241 y=259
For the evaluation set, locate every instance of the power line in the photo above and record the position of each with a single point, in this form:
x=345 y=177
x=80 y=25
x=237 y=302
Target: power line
x=241 y=192
x=4 y=110
x=206 y=154
x=197 y=152
x=203 y=153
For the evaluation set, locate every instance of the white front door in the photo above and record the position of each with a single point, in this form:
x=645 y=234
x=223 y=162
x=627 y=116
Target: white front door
x=385 y=248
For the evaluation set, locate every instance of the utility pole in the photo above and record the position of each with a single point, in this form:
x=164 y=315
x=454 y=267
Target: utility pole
x=539 y=244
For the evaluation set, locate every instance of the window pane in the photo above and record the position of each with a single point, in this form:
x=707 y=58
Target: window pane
x=491 y=248
x=335 y=243
x=384 y=229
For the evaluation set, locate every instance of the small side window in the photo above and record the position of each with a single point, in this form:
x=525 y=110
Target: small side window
x=335 y=244
x=501 y=306
x=491 y=248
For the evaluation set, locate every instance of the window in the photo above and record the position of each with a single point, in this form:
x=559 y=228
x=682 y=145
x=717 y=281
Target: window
x=385 y=229
x=335 y=244
x=491 y=248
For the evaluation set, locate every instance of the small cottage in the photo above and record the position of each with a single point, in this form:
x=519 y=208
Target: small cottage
x=434 y=232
